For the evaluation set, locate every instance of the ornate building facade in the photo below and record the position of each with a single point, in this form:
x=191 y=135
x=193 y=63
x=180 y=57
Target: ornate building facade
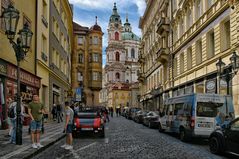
x=122 y=59
x=190 y=38
x=87 y=63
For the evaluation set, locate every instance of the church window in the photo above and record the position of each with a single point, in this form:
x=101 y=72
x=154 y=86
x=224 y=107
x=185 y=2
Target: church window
x=117 y=56
x=95 y=40
x=117 y=75
x=116 y=36
x=132 y=53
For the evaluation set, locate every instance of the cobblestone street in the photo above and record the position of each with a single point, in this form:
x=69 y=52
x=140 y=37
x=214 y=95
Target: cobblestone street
x=127 y=139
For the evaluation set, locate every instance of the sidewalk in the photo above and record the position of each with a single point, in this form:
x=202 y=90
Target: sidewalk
x=53 y=133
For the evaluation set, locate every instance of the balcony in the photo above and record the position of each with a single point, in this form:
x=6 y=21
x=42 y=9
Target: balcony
x=141 y=77
x=163 y=25
x=163 y=54
x=95 y=85
x=141 y=59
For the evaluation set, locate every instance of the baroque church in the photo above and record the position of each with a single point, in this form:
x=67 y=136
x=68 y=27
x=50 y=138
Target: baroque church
x=121 y=63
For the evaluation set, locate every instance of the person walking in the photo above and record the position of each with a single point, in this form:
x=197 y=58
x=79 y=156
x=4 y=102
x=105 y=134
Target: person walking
x=12 y=114
x=9 y=102
x=36 y=110
x=69 y=113
x=54 y=112
x=59 y=112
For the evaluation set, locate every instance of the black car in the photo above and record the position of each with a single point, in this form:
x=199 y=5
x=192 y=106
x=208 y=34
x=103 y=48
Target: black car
x=151 y=119
x=139 y=117
x=225 y=139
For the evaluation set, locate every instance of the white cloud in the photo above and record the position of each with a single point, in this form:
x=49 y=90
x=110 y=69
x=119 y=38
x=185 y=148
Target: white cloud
x=108 y=4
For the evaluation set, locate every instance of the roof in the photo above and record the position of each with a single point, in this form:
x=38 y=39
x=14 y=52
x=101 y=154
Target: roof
x=129 y=36
x=78 y=27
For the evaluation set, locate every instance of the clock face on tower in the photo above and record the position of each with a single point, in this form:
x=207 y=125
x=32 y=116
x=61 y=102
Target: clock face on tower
x=116 y=25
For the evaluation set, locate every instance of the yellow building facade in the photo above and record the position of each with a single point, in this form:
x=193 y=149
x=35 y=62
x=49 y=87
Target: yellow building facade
x=193 y=35
x=30 y=82
x=87 y=63
x=43 y=8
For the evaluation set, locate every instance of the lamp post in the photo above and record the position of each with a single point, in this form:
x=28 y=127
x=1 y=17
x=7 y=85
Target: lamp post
x=228 y=71
x=10 y=16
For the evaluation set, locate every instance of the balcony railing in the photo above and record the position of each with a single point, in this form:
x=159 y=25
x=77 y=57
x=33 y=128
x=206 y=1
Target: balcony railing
x=163 y=25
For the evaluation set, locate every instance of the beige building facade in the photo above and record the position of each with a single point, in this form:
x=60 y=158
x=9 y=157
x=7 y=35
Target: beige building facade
x=193 y=35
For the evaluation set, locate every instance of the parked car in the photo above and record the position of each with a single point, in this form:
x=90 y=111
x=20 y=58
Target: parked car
x=139 y=117
x=151 y=119
x=133 y=113
x=225 y=139
x=130 y=112
x=124 y=111
x=88 y=120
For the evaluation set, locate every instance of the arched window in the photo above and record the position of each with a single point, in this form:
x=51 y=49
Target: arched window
x=132 y=53
x=116 y=36
x=117 y=56
x=117 y=76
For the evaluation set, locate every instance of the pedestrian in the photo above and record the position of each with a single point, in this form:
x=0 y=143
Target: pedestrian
x=59 y=112
x=54 y=112
x=111 y=112
x=107 y=114
x=36 y=110
x=69 y=113
x=12 y=114
x=9 y=102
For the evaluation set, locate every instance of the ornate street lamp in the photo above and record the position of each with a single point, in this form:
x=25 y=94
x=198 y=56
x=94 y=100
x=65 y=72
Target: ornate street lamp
x=228 y=71
x=10 y=17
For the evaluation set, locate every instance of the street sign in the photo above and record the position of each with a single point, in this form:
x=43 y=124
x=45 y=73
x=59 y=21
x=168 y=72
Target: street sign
x=78 y=94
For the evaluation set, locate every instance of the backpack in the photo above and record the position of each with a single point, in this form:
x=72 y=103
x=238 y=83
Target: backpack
x=11 y=113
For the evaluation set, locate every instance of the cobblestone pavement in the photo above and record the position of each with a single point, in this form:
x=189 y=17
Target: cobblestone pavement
x=129 y=140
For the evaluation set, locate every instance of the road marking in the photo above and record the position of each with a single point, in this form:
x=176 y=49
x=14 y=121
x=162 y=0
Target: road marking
x=106 y=140
x=85 y=147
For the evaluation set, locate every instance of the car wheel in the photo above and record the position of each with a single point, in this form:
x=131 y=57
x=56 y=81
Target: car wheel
x=183 y=136
x=215 y=145
x=160 y=128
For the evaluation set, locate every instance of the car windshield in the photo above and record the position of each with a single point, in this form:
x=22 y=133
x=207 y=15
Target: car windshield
x=208 y=109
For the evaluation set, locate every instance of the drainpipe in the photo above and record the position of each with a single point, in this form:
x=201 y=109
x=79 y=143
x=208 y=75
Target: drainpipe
x=36 y=16
x=172 y=84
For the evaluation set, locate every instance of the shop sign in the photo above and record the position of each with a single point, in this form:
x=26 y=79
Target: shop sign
x=211 y=86
x=3 y=68
x=25 y=77
x=78 y=94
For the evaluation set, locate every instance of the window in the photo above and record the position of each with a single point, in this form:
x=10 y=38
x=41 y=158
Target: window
x=182 y=62
x=44 y=44
x=117 y=56
x=80 y=58
x=181 y=27
x=80 y=40
x=199 y=51
x=210 y=3
x=116 y=36
x=95 y=57
x=175 y=66
x=132 y=53
x=199 y=10
x=225 y=33
x=96 y=76
x=95 y=40
x=54 y=60
x=57 y=59
x=90 y=40
x=117 y=76
x=210 y=44
x=189 y=18
x=44 y=10
x=189 y=58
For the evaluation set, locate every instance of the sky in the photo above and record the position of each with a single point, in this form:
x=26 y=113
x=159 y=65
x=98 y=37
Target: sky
x=85 y=11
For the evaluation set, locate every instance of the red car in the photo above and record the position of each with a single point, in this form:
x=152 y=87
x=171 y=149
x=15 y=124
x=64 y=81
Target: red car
x=88 y=120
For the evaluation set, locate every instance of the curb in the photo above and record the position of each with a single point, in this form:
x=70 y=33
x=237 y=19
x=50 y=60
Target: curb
x=44 y=148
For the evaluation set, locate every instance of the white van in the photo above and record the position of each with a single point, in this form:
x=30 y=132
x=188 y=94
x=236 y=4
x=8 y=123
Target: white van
x=194 y=115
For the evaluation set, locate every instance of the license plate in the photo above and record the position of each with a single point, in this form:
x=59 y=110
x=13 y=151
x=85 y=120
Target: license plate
x=86 y=128
x=204 y=125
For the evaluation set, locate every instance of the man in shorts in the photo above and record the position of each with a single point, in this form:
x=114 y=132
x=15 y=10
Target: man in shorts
x=36 y=110
x=69 y=113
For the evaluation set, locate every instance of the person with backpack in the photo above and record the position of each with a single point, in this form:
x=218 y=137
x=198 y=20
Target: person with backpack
x=12 y=114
